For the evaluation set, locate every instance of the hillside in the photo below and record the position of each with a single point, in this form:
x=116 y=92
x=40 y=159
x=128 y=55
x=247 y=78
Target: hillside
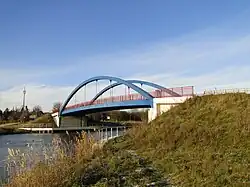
x=202 y=142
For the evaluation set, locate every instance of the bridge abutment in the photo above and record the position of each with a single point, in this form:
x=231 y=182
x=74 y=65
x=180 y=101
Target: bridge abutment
x=161 y=105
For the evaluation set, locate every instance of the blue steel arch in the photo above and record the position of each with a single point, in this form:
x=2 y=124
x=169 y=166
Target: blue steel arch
x=136 y=82
x=110 y=78
x=156 y=86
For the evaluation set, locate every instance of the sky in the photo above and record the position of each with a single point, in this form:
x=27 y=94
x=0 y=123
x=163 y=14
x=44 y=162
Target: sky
x=52 y=46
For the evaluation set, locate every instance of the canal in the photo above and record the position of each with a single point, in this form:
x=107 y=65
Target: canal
x=38 y=143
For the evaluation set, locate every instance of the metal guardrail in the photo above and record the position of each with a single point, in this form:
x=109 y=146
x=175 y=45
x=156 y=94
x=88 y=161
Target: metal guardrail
x=224 y=91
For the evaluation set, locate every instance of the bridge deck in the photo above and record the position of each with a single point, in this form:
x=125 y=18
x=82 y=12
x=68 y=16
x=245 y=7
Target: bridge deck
x=109 y=106
x=182 y=91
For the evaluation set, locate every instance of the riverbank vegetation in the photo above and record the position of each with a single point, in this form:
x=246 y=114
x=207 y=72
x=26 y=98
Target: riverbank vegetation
x=20 y=114
x=204 y=141
x=12 y=120
x=45 y=120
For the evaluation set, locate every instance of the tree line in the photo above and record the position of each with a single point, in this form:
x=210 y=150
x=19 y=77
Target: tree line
x=19 y=114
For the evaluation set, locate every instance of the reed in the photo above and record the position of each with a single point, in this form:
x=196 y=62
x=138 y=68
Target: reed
x=56 y=165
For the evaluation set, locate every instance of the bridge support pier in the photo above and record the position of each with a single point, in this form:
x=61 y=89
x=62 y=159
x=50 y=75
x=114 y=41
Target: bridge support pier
x=56 y=118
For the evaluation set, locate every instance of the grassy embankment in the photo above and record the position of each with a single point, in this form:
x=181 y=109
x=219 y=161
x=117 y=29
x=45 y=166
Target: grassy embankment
x=11 y=128
x=202 y=142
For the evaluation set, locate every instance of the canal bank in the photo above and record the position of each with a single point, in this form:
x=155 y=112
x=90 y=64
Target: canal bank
x=45 y=144
x=9 y=131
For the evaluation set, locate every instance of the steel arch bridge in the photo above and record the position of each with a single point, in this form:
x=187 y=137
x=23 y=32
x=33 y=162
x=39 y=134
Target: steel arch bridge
x=142 y=99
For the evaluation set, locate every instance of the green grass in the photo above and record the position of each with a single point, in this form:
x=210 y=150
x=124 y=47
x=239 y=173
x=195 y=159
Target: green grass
x=46 y=118
x=203 y=142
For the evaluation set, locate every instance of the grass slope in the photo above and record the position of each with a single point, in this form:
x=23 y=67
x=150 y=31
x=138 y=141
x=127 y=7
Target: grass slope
x=46 y=118
x=202 y=142
x=44 y=121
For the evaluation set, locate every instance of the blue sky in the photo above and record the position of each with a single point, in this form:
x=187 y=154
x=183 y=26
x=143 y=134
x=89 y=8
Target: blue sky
x=58 y=44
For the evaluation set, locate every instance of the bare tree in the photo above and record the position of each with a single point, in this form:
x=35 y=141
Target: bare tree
x=6 y=114
x=37 y=110
x=56 y=106
x=1 y=115
x=25 y=116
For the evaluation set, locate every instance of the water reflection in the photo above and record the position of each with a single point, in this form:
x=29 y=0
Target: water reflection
x=22 y=142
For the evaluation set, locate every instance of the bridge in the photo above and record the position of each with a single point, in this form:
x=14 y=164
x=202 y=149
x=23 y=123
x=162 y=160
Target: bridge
x=158 y=100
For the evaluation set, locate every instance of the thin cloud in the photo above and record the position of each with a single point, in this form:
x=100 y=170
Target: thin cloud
x=231 y=77
x=234 y=77
x=198 y=56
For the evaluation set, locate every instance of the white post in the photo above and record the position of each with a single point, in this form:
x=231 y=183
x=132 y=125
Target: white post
x=111 y=131
x=117 y=132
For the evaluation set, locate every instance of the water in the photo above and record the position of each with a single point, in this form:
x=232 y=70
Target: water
x=23 y=142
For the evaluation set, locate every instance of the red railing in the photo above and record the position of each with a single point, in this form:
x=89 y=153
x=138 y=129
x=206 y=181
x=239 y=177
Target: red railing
x=182 y=91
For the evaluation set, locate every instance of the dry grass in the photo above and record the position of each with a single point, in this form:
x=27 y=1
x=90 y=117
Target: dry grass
x=11 y=130
x=57 y=168
x=202 y=142
x=46 y=118
x=44 y=121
